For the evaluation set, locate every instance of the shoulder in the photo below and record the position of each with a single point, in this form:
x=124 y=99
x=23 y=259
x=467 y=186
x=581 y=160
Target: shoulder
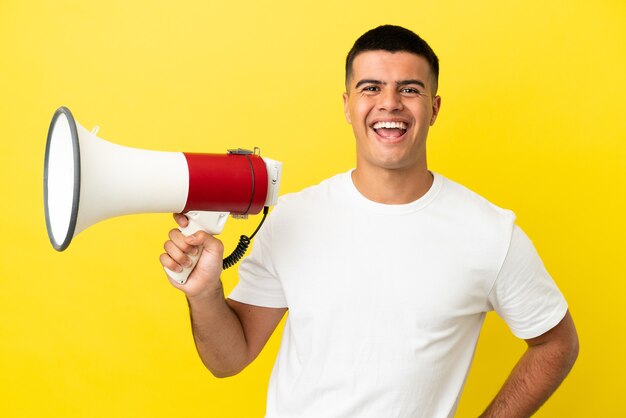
x=301 y=214
x=473 y=218
x=465 y=203
x=314 y=196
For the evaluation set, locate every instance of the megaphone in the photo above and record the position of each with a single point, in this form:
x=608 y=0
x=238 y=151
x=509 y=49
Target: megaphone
x=88 y=179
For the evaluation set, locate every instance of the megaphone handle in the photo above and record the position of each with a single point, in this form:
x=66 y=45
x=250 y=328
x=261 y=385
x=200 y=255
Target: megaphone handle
x=211 y=222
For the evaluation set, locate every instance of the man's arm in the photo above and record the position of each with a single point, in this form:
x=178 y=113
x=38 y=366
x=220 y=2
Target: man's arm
x=228 y=335
x=544 y=365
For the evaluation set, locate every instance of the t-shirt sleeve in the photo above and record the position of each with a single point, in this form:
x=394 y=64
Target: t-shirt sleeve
x=259 y=283
x=524 y=294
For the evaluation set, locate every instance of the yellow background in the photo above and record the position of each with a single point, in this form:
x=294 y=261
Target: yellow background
x=533 y=118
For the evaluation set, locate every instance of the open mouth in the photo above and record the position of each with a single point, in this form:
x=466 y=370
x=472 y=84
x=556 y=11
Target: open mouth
x=390 y=130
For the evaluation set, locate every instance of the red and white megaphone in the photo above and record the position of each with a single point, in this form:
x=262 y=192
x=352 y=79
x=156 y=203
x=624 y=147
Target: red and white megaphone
x=88 y=179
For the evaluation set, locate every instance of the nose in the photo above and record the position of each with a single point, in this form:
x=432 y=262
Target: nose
x=390 y=100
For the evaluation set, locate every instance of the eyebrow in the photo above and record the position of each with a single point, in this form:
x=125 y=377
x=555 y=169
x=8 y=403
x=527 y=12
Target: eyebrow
x=407 y=82
x=398 y=83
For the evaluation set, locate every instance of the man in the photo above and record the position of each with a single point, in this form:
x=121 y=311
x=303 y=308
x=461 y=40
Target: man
x=387 y=271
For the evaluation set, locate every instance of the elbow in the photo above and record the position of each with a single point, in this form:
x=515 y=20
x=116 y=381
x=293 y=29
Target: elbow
x=223 y=366
x=567 y=340
x=568 y=352
x=221 y=374
x=574 y=350
x=573 y=345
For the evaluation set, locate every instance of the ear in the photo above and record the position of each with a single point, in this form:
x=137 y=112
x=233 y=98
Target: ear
x=436 y=107
x=346 y=112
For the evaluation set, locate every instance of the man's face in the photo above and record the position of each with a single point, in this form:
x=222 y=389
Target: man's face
x=390 y=104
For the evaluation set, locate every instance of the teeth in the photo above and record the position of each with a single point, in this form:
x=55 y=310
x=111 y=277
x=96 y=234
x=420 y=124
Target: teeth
x=390 y=125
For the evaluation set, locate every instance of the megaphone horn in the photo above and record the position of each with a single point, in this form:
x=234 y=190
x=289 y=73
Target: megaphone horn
x=88 y=179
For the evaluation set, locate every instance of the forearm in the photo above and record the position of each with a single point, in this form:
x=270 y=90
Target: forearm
x=218 y=334
x=535 y=377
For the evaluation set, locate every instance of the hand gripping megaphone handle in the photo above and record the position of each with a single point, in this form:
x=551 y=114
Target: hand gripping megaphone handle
x=211 y=222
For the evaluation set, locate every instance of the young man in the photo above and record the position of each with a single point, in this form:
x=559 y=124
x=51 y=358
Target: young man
x=387 y=271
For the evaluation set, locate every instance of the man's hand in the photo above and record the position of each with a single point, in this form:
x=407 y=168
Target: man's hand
x=205 y=277
x=544 y=365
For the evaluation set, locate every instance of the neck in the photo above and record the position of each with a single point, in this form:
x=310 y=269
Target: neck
x=393 y=187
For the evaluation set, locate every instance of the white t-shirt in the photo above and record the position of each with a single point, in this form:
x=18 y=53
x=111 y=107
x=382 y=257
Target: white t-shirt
x=386 y=302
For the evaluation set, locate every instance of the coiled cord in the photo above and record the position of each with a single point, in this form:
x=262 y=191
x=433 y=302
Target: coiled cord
x=242 y=246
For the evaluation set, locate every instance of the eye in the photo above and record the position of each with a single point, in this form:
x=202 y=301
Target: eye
x=370 y=89
x=410 y=91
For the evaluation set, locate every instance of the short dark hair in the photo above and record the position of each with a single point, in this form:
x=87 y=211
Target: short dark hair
x=393 y=39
